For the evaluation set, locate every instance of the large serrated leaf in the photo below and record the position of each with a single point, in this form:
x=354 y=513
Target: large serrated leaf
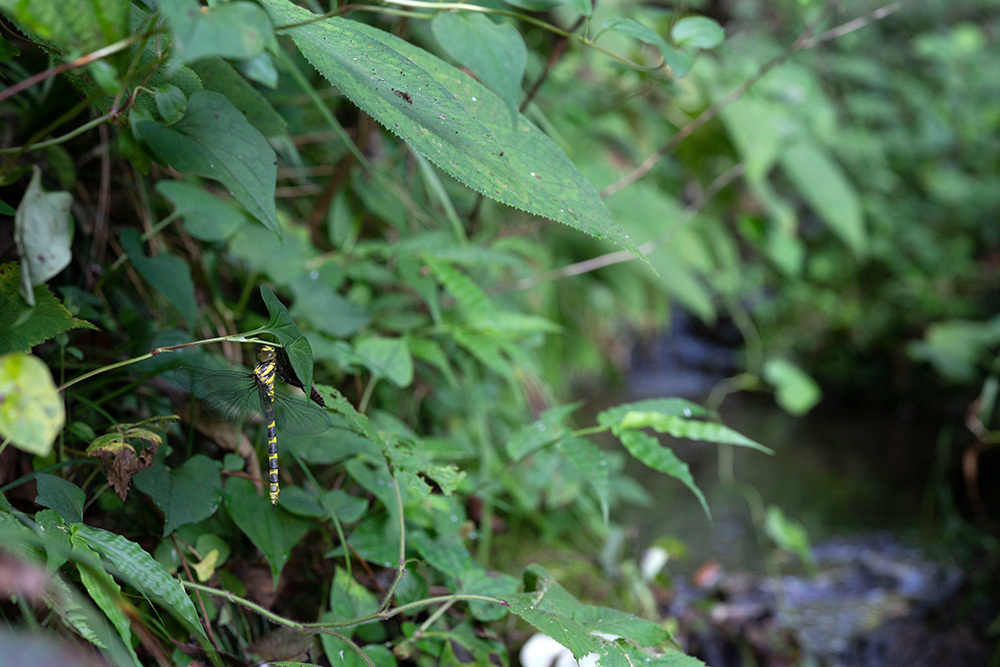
x=143 y=572
x=451 y=119
x=494 y=53
x=24 y=327
x=622 y=624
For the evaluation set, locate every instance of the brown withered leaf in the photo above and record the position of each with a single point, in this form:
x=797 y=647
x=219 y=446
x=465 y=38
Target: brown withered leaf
x=121 y=461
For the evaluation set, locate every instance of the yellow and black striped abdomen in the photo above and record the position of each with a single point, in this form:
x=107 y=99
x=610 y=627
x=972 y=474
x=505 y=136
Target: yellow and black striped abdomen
x=264 y=375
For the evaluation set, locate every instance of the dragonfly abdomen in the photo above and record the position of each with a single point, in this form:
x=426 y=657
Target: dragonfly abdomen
x=264 y=373
x=272 y=459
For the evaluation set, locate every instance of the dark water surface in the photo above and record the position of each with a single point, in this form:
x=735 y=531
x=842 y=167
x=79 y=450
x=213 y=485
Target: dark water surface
x=838 y=471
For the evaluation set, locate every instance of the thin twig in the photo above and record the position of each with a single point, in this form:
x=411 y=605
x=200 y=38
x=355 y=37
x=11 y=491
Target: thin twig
x=557 y=51
x=86 y=59
x=855 y=24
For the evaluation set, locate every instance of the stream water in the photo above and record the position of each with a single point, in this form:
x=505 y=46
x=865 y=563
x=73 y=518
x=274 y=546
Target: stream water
x=837 y=472
x=857 y=479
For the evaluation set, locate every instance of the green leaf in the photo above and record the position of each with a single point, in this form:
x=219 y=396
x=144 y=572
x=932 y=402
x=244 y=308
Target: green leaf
x=755 y=126
x=549 y=427
x=697 y=31
x=65 y=497
x=451 y=119
x=215 y=140
x=340 y=653
x=560 y=626
x=348 y=598
x=7 y=51
x=171 y=103
x=387 y=357
x=31 y=410
x=301 y=357
x=42 y=232
x=634 y=29
x=823 y=184
x=796 y=392
x=261 y=69
x=494 y=53
x=579 y=6
x=74 y=27
x=475 y=580
x=271 y=529
x=329 y=312
x=219 y=76
x=446 y=552
x=186 y=494
x=236 y=30
x=677 y=407
x=142 y=571
x=279 y=323
x=345 y=507
x=621 y=624
x=650 y=452
x=281 y=326
x=678 y=62
x=789 y=535
x=168 y=274
x=105 y=593
x=957 y=348
x=428 y=350
x=474 y=304
x=679 y=427
x=24 y=327
x=282 y=259
x=206 y=217
x=592 y=463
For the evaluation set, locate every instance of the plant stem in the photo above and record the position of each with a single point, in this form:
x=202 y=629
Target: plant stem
x=237 y=338
x=58 y=140
x=103 y=52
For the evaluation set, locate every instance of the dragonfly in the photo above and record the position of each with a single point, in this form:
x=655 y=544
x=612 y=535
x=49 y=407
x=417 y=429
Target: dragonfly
x=237 y=396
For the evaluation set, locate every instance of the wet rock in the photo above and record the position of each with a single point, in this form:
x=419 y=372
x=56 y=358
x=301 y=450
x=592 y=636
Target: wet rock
x=871 y=602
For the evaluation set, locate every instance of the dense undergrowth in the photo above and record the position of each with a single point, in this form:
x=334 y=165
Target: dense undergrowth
x=378 y=191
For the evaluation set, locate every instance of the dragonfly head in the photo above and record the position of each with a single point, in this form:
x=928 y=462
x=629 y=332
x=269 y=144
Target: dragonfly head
x=266 y=353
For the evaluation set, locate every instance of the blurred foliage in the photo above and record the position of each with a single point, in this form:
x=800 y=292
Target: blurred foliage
x=822 y=176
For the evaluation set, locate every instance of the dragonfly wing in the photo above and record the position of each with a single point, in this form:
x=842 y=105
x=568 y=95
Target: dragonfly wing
x=299 y=417
x=228 y=395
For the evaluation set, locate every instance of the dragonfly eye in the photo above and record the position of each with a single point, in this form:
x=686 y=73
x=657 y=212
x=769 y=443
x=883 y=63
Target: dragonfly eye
x=265 y=353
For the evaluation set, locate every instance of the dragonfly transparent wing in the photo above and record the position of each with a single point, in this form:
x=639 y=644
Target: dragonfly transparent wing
x=298 y=416
x=231 y=396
